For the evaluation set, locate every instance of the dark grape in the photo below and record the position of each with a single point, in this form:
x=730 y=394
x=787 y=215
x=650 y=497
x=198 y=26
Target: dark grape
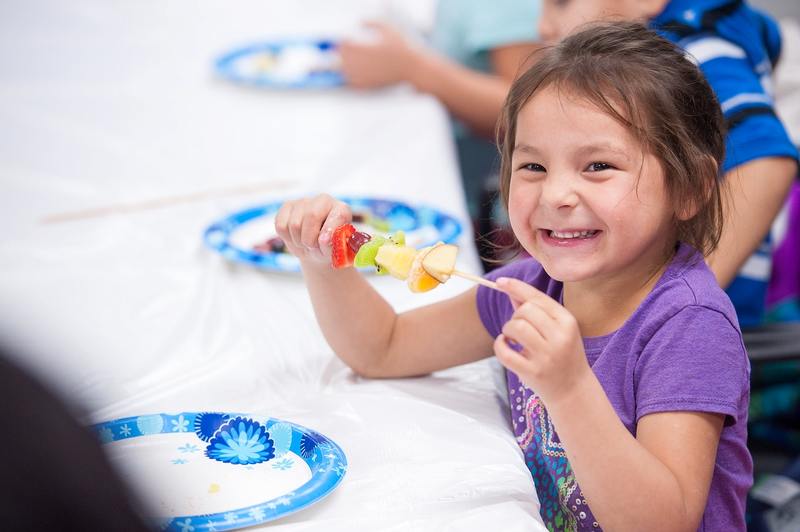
x=357 y=240
x=271 y=245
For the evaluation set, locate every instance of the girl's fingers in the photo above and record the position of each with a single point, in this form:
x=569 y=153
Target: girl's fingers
x=339 y=214
x=282 y=220
x=520 y=292
x=295 y=223
x=524 y=334
x=315 y=216
x=508 y=356
x=306 y=225
x=536 y=317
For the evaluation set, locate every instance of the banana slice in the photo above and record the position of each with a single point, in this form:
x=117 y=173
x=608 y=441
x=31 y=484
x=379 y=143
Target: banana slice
x=440 y=261
x=418 y=279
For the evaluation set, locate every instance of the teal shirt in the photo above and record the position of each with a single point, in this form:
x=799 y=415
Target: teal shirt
x=466 y=30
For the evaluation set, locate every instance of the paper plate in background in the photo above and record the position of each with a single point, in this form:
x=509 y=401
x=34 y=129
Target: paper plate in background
x=236 y=236
x=221 y=471
x=285 y=64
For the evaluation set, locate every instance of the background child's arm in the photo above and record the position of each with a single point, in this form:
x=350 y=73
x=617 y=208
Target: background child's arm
x=474 y=97
x=360 y=326
x=750 y=208
x=657 y=480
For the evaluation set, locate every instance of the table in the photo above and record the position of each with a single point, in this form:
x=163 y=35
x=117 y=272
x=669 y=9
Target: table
x=118 y=146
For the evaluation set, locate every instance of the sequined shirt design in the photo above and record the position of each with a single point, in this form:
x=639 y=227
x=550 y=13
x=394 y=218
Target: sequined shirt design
x=562 y=505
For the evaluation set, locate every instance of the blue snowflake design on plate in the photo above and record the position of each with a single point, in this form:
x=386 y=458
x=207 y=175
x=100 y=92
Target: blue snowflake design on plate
x=432 y=224
x=181 y=424
x=241 y=441
x=251 y=438
x=283 y=464
x=188 y=448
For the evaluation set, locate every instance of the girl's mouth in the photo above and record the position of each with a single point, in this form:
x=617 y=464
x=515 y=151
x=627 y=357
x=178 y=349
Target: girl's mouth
x=571 y=235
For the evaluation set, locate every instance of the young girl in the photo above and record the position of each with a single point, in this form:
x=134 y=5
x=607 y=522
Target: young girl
x=627 y=376
x=736 y=47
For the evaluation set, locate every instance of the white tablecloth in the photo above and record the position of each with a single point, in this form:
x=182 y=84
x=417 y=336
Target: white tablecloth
x=113 y=105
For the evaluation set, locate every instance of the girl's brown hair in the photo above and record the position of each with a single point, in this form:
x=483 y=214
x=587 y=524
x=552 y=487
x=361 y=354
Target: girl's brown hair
x=649 y=86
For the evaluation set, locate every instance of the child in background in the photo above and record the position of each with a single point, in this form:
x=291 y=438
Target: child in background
x=627 y=376
x=477 y=49
x=736 y=47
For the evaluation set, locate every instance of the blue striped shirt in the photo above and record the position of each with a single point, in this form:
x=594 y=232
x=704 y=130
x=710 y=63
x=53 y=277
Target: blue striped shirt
x=737 y=48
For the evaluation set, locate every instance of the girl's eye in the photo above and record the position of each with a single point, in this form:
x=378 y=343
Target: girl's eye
x=532 y=167
x=599 y=167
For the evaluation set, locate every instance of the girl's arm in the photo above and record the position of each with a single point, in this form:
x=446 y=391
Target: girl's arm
x=657 y=480
x=360 y=326
x=473 y=97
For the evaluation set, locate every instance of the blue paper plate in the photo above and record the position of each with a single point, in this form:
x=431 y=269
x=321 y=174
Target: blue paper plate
x=222 y=471
x=236 y=235
x=284 y=64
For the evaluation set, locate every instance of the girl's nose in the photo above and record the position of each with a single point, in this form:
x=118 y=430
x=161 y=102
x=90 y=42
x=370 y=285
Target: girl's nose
x=558 y=191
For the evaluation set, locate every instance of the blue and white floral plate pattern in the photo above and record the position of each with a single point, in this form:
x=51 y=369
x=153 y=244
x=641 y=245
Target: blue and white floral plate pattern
x=236 y=235
x=283 y=64
x=207 y=471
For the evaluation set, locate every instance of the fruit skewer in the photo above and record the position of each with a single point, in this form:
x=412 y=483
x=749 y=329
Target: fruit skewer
x=422 y=269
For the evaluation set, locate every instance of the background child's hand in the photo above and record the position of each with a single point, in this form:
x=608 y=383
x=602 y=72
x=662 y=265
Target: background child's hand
x=306 y=225
x=541 y=342
x=376 y=64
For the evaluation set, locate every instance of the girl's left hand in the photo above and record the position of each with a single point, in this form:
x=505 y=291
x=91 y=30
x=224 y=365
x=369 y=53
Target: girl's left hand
x=547 y=352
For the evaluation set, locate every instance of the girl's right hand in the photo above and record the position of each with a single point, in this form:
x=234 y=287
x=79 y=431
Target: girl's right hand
x=306 y=225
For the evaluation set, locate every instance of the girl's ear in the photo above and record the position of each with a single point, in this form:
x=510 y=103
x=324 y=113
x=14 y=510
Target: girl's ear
x=688 y=209
x=708 y=174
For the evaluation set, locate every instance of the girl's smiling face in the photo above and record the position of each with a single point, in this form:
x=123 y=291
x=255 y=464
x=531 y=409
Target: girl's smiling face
x=584 y=198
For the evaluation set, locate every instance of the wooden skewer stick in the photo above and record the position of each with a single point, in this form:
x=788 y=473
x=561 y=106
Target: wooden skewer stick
x=168 y=201
x=476 y=279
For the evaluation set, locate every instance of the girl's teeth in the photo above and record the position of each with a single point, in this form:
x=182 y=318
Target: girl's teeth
x=572 y=234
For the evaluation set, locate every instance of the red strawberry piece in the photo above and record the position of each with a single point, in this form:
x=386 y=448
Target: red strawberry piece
x=341 y=254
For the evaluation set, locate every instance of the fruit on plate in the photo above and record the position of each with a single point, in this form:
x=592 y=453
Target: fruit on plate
x=271 y=245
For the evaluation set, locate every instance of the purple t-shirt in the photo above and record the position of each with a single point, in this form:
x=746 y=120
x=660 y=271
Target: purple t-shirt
x=681 y=350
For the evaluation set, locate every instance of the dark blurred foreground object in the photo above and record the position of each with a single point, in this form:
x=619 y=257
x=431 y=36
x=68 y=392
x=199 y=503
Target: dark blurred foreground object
x=774 y=502
x=53 y=473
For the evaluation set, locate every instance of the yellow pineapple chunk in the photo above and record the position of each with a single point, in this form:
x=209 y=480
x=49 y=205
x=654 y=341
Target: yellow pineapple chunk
x=440 y=261
x=396 y=260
